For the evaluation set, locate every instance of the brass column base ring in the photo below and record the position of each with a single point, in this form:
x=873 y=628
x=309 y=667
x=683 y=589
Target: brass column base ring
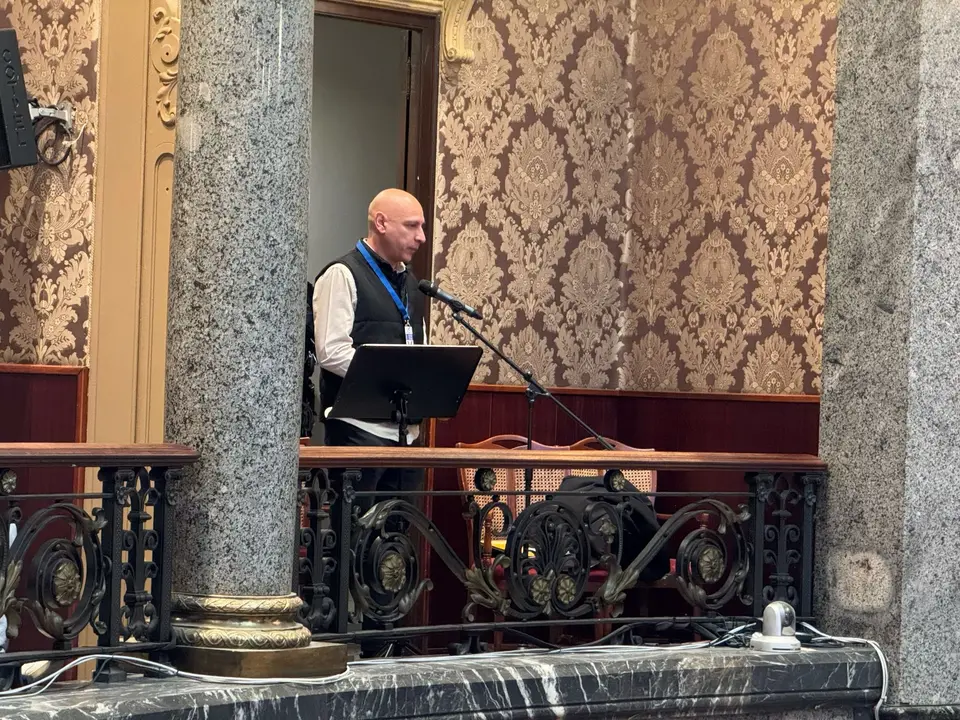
x=249 y=636
x=239 y=622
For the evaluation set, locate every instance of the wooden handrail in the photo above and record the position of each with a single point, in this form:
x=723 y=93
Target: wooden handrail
x=104 y=455
x=361 y=457
x=94 y=455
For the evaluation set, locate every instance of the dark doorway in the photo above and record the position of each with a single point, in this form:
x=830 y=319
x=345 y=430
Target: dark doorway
x=406 y=46
x=416 y=120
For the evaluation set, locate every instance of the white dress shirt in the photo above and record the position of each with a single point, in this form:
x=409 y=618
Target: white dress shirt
x=334 y=306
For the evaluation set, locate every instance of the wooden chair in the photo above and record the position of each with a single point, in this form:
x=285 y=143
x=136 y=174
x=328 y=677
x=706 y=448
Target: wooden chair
x=544 y=481
x=645 y=481
x=508 y=480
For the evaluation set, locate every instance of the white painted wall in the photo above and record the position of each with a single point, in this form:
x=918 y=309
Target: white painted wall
x=357 y=139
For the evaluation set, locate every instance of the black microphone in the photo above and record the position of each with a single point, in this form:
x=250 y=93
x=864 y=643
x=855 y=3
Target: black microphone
x=433 y=290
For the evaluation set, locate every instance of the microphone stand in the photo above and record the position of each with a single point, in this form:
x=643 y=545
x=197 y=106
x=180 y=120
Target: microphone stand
x=534 y=390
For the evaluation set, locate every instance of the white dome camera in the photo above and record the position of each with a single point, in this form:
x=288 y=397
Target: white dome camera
x=779 y=631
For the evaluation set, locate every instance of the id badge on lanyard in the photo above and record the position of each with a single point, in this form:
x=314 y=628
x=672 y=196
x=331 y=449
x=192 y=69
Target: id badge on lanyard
x=408 y=333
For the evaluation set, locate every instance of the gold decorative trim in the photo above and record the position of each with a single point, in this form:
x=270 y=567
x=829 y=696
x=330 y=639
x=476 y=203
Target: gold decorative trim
x=8 y=481
x=283 y=606
x=453 y=21
x=453 y=27
x=239 y=622
x=242 y=638
x=67 y=583
x=165 y=56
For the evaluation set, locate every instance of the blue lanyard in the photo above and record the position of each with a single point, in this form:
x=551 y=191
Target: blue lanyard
x=383 y=279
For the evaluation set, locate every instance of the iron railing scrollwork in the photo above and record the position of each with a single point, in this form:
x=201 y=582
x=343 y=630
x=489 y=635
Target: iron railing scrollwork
x=782 y=538
x=316 y=564
x=136 y=546
x=385 y=580
x=58 y=550
x=64 y=569
x=558 y=561
x=712 y=559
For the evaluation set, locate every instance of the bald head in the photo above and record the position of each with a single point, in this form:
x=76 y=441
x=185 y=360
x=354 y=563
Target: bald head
x=395 y=225
x=392 y=202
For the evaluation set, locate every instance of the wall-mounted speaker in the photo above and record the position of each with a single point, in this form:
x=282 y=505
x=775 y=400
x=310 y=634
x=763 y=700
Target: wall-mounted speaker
x=18 y=145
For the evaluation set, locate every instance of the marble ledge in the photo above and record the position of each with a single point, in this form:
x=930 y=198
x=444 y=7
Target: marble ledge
x=812 y=684
x=921 y=712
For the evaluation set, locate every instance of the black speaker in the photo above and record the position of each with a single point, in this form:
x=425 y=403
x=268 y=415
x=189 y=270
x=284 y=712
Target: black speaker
x=18 y=145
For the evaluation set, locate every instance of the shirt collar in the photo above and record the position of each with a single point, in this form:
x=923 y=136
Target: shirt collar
x=383 y=263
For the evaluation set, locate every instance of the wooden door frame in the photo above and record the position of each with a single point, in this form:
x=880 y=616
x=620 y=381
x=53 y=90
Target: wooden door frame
x=139 y=43
x=424 y=169
x=425 y=110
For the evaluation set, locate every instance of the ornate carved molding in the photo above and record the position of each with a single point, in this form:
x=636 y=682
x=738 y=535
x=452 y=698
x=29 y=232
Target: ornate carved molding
x=453 y=21
x=281 y=606
x=165 y=46
x=165 y=56
x=238 y=638
x=454 y=30
x=238 y=622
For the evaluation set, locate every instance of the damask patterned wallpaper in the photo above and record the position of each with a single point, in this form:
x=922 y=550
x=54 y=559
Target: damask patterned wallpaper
x=637 y=193
x=637 y=197
x=46 y=225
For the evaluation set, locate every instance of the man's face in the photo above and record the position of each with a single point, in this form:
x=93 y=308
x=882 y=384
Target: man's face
x=401 y=230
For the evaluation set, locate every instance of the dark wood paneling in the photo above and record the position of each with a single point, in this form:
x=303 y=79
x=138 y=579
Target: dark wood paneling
x=721 y=424
x=679 y=422
x=45 y=404
x=41 y=404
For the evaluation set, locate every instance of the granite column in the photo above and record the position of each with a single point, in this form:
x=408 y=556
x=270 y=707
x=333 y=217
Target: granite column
x=236 y=326
x=888 y=551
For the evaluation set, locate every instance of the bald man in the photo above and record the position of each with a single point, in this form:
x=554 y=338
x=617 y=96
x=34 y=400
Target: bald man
x=370 y=296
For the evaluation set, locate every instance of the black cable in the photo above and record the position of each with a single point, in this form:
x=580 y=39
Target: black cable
x=531 y=639
x=611 y=635
x=60 y=137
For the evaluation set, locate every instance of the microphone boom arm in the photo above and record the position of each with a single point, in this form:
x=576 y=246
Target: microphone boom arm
x=534 y=388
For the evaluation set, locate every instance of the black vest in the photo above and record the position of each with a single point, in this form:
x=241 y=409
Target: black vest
x=376 y=318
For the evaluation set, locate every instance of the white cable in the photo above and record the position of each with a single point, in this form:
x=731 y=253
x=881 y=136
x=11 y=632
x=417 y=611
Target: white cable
x=722 y=640
x=597 y=649
x=41 y=685
x=447 y=658
x=492 y=656
x=876 y=647
x=45 y=682
x=266 y=681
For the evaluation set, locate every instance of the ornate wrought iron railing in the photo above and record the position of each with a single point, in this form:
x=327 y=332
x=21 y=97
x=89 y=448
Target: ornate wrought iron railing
x=76 y=561
x=566 y=560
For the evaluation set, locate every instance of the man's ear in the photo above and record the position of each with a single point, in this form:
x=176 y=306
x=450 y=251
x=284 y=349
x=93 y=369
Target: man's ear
x=380 y=222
